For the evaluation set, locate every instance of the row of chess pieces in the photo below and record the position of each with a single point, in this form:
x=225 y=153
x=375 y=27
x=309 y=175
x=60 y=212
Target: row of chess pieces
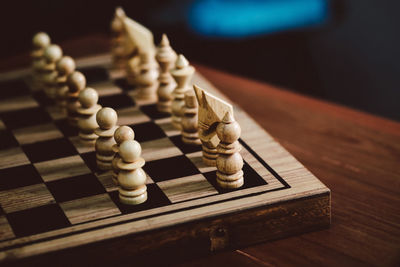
x=116 y=149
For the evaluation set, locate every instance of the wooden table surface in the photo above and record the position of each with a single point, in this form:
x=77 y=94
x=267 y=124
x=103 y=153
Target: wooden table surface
x=357 y=155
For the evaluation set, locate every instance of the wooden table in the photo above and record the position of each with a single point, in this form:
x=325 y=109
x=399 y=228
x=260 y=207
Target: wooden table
x=357 y=155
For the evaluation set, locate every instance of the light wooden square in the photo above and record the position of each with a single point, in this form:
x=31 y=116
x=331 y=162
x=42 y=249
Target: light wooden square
x=62 y=168
x=186 y=188
x=37 y=133
x=56 y=112
x=159 y=149
x=166 y=125
x=5 y=229
x=17 y=103
x=81 y=147
x=106 y=88
x=89 y=208
x=25 y=197
x=131 y=115
x=12 y=157
x=197 y=159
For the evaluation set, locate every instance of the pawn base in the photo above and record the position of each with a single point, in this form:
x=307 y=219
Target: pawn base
x=103 y=165
x=190 y=140
x=164 y=107
x=87 y=139
x=134 y=197
x=176 y=122
x=230 y=181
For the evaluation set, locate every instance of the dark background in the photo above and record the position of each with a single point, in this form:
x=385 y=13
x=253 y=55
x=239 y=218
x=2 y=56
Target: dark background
x=351 y=59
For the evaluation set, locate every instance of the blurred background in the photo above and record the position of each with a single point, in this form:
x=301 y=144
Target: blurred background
x=344 y=51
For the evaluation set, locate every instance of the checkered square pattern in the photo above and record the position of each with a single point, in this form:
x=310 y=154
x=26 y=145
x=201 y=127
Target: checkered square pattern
x=47 y=177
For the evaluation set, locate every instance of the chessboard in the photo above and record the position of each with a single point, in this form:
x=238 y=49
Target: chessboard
x=54 y=201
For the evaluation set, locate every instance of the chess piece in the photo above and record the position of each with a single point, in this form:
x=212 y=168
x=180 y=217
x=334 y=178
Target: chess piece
x=40 y=42
x=140 y=41
x=166 y=58
x=65 y=66
x=189 y=120
x=123 y=133
x=76 y=82
x=106 y=119
x=87 y=111
x=147 y=78
x=211 y=111
x=182 y=74
x=52 y=54
x=131 y=177
x=121 y=48
x=229 y=161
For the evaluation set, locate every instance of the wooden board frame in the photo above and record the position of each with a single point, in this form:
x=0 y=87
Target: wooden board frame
x=303 y=205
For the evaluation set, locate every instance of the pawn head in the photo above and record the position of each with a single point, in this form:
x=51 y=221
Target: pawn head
x=130 y=150
x=76 y=81
x=88 y=97
x=123 y=133
x=66 y=65
x=52 y=53
x=41 y=40
x=106 y=118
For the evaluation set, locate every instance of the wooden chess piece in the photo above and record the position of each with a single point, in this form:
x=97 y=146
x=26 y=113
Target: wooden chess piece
x=211 y=111
x=182 y=74
x=190 y=120
x=65 y=66
x=40 y=42
x=87 y=111
x=106 y=119
x=123 y=133
x=131 y=177
x=229 y=161
x=147 y=78
x=76 y=82
x=121 y=48
x=52 y=54
x=166 y=57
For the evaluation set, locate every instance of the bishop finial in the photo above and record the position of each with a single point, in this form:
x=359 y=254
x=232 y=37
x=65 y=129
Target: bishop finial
x=181 y=62
x=164 y=40
x=228 y=118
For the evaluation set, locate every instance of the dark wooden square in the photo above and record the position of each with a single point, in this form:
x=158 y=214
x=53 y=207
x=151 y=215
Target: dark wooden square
x=37 y=220
x=170 y=168
x=47 y=150
x=75 y=187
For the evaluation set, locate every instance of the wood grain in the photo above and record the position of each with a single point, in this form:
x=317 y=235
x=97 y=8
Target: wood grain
x=355 y=154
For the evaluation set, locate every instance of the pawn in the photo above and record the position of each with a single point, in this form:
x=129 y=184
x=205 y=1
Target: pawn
x=87 y=111
x=106 y=119
x=65 y=66
x=76 y=82
x=229 y=161
x=40 y=42
x=123 y=133
x=165 y=57
x=190 y=127
x=131 y=177
x=52 y=54
x=182 y=74
x=147 y=78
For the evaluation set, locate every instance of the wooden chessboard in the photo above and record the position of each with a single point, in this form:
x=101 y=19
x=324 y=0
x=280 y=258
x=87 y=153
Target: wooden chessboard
x=54 y=202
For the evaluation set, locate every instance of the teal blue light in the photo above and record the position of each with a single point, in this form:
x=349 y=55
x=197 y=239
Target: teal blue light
x=241 y=18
